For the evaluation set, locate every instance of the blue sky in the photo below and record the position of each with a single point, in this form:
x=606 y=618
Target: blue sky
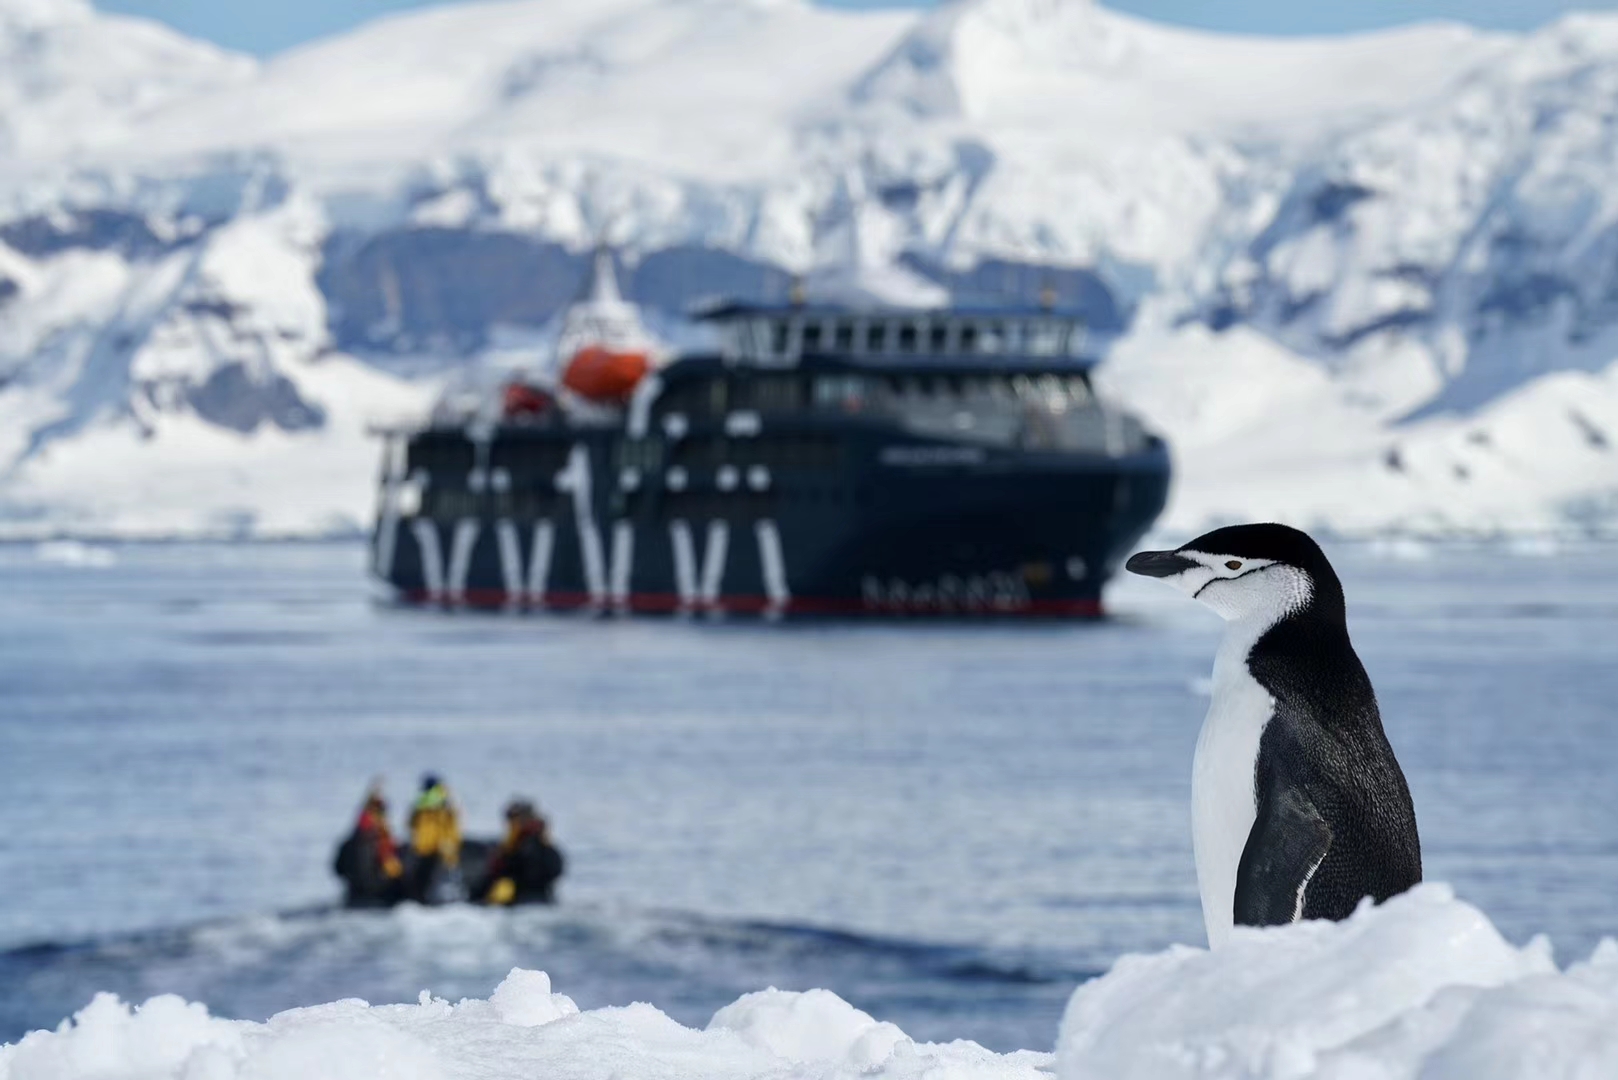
x=259 y=27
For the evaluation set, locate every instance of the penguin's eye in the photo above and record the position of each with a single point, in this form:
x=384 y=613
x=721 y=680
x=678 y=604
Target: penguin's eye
x=1234 y=564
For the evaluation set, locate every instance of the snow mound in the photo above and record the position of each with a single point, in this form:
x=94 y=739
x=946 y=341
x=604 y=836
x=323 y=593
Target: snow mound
x=523 y=1030
x=1422 y=986
x=813 y=1026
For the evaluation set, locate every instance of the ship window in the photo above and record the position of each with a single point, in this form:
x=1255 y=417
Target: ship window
x=938 y=337
x=1013 y=337
x=992 y=338
x=811 y=336
x=874 y=333
x=1052 y=394
x=703 y=396
x=760 y=336
x=842 y=392
x=845 y=336
x=1045 y=339
x=969 y=337
x=907 y=337
x=775 y=394
x=1078 y=389
x=778 y=337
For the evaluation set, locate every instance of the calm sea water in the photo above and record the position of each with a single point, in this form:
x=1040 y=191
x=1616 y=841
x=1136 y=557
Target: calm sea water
x=949 y=825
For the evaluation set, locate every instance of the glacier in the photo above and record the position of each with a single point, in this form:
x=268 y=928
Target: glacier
x=1368 y=284
x=1421 y=986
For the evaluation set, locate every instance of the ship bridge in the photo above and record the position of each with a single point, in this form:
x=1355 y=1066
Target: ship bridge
x=783 y=335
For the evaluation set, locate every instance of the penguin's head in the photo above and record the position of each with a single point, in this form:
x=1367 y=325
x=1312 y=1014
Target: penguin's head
x=1249 y=572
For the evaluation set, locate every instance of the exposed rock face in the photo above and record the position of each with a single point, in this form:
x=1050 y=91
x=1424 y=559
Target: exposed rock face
x=440 y=289
x=126 y=234
x=231 y=397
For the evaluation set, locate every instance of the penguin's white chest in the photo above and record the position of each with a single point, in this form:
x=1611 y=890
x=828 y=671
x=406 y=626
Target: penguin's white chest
x=1223 y=804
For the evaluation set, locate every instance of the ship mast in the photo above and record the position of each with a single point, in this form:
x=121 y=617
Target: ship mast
x=601 y=317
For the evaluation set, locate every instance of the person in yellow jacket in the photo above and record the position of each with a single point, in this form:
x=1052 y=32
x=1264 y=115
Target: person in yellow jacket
x=435 y=839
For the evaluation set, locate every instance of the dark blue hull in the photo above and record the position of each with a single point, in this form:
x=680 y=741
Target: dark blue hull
x=848 y=520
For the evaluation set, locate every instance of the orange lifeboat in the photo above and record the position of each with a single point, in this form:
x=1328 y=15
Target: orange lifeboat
x=605 y=375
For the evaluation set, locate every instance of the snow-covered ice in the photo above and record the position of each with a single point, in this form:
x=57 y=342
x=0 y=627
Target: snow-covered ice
x=522 y=1030
x=1423 y=986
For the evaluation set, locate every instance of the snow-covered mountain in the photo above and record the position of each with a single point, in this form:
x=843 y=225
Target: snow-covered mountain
x=1366 y=283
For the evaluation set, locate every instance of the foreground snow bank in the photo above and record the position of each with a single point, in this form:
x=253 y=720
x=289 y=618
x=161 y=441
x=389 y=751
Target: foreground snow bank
x=1422 y=987
x=523 y=1030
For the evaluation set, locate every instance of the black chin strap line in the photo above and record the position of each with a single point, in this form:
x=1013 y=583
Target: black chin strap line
x=1256 y=570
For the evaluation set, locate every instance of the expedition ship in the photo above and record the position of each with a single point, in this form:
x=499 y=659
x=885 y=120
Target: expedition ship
x=823 y=459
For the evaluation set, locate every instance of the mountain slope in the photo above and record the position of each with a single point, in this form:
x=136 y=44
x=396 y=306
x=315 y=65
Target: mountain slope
x=1364 y=282
x=70 y=78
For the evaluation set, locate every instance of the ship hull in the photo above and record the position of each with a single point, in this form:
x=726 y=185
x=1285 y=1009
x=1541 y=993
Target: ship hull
x=902 y=529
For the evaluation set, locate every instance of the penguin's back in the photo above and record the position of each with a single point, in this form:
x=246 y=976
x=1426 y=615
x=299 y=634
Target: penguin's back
x=1325 y=743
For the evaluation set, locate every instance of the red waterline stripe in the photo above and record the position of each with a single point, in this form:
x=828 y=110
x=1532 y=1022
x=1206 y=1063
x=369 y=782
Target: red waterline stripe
x=750 y=604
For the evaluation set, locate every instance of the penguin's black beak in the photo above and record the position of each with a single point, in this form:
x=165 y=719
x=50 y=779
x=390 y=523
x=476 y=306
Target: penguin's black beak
x=1158 y=563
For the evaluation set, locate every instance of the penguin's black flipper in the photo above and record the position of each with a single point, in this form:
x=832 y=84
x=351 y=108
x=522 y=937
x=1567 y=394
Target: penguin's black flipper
x=1287 y=845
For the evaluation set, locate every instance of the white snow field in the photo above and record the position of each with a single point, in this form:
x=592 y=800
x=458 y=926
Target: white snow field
x=1363 y=283
x=1421 y=987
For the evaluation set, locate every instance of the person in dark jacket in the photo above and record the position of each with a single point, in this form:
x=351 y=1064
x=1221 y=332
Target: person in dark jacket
x=368 y=859
x=526 y=866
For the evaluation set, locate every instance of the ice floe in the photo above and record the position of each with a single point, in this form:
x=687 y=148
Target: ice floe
x=1423 y=986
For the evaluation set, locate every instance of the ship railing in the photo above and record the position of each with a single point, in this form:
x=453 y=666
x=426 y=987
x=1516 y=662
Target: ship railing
x=783 y=338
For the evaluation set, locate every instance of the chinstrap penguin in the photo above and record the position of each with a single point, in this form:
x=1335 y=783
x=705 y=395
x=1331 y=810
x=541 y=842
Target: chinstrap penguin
x=1298 y=807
